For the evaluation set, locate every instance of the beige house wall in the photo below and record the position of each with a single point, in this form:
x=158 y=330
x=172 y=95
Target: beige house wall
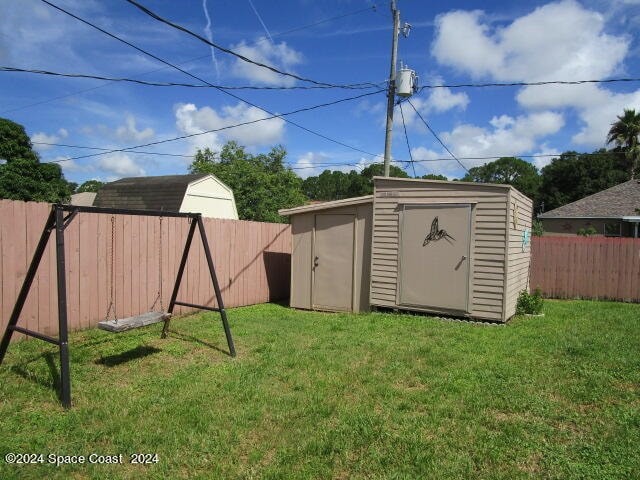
x=210 y=197
x=568 y=227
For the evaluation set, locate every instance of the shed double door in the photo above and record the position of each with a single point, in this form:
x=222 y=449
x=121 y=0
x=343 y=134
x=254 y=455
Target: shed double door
x=433 y=256
x=333 y=256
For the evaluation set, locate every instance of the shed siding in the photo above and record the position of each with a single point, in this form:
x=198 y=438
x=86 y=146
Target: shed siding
x=488 y=239
x=301 y=250
x=302 y=230
x=211 y=198
x=517 y=277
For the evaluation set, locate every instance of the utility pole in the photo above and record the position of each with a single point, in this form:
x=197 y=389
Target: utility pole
x=391 y=94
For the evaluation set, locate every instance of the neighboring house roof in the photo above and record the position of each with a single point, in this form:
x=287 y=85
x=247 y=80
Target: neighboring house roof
x=83 y=199
x=146 y=193
x=615 y=202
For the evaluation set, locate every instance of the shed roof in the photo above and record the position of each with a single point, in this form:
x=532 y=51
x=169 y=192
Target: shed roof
x=500 y=186
x=164 y=192
x=345 y=202
x=615 y=202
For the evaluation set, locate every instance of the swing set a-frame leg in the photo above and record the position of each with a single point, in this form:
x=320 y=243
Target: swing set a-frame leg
x=214 y=279
x=56 y=220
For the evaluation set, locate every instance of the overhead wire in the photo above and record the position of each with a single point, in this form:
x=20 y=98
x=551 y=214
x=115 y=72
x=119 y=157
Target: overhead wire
x=318 y=84
x=528 y=84
x=233 y=95
x=406 y=136
x=437 y=137
x=157 y=17
x=297 y=87
x=161 y=84
x=249 y=122
x=275 y=35
x=66 y=145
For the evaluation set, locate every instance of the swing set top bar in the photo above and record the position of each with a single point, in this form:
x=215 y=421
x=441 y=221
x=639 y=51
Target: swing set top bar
x=127 y=211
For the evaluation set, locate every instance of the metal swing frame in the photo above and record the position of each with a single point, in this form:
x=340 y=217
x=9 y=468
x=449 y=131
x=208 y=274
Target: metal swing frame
x=59 y=219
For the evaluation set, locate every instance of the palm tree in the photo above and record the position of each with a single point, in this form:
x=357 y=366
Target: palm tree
x=624 y=133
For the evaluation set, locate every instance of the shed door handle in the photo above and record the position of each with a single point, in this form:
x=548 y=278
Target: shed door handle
x=315 y=261
x=464 y=257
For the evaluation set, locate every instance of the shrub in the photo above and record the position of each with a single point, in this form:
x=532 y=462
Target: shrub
x=537 y=230
x=587 y=232
x=529 y=303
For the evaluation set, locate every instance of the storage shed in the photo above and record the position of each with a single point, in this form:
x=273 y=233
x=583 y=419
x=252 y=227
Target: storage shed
x=453 y=248
x=194 y=193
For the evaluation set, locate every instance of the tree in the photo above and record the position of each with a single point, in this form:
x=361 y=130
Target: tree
x=336 y=185
x=508 y=170
x=377 y=170
x=90 y=186
x=22 y=176
x=624 y=133
x=14 y=142
x=433 y=176
x=261 y=183
x=329 y=185
x=573 y=176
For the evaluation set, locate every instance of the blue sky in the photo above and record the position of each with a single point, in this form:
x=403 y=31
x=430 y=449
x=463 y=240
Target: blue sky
x=340 y=42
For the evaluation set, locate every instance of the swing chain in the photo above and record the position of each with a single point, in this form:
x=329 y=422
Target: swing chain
x=159 y=294
x=160 y=269
x=111 y=307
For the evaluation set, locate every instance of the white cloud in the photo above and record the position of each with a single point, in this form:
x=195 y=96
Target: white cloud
x=129 y=133
x=190 y=120
x=366 y=108
x=279 y=55
x=558 y=41
x=41 y=139
x=71 y=166
x=306 y=165
x=314 y=163
x=508 y=136
x=439 y=163
x=121 y=165
x=439 y=100
x=442 y=99
x=597 y=107
x=546 y=154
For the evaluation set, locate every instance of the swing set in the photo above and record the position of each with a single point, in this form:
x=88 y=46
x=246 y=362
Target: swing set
x=59 y=219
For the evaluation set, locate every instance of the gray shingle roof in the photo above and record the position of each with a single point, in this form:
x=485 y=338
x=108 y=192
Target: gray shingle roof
x=619 y=201
x=146 y=193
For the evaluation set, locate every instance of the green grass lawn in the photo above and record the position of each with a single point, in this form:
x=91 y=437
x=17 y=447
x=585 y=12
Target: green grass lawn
x=314 y=395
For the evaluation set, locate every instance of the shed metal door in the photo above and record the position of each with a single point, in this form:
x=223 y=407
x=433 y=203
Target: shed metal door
x=434 y=256
x=333 y=262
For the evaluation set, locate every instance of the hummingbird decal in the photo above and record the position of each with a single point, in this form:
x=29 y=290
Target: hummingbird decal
x=435 y=234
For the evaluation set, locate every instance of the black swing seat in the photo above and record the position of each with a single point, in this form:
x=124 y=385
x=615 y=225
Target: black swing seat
x=124 y=324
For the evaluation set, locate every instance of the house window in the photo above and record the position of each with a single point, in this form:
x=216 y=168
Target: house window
x=612 y=229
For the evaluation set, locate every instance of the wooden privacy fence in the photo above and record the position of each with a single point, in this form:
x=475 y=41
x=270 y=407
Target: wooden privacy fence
x=252 y=261
x=591 y=268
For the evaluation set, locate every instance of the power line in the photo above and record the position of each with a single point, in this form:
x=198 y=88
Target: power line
x=66 y=145
x=233 y=95
x=280 y=34
x=250 y=122
x=406 y=136
x=436 y=136
x=528 y=84
x=299 y=87
x=159 y=84
x=157 y=17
